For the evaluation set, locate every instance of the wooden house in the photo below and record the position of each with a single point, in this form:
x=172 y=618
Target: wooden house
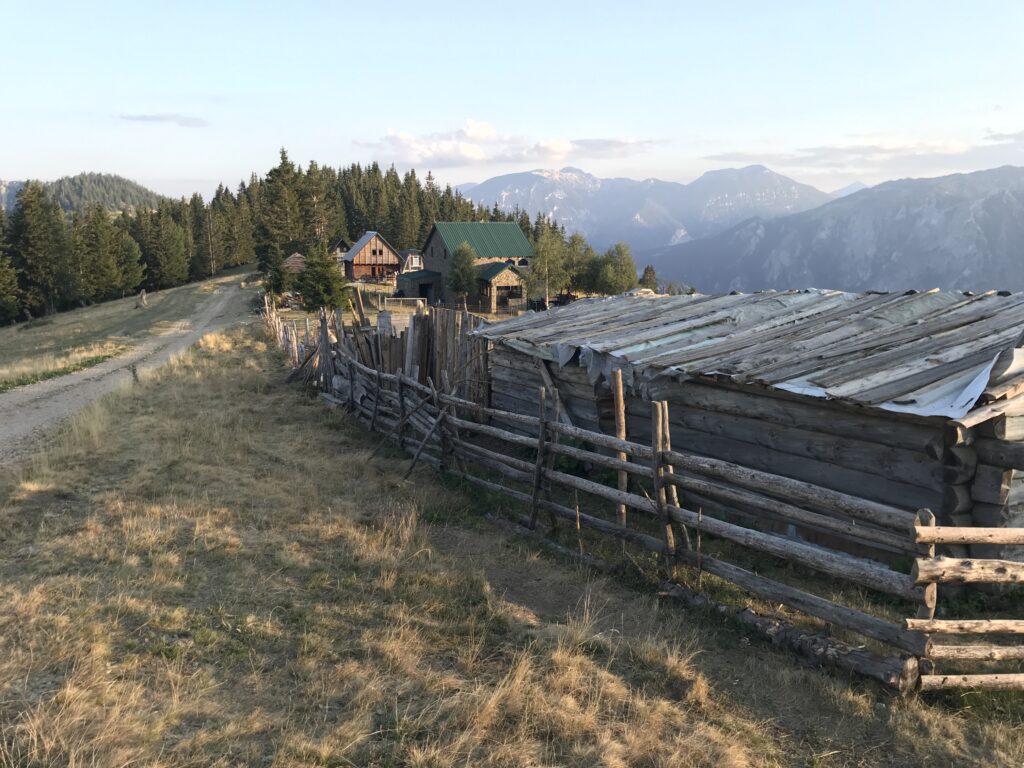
x=914 y=400
x=371 y=258
x=295 y=263
x=495 y=242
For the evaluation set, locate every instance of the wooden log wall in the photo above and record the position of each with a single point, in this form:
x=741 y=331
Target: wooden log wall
x=997 y=490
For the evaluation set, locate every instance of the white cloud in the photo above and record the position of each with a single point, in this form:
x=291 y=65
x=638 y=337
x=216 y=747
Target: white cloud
x=479 y=142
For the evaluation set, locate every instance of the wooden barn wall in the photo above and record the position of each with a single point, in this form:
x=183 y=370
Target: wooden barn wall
x=907 y=462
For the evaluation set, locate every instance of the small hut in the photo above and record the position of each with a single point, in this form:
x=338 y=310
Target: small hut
x=294 y=264
x=912 y=399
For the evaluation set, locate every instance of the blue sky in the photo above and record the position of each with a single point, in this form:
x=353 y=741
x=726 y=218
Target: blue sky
x=182 y=96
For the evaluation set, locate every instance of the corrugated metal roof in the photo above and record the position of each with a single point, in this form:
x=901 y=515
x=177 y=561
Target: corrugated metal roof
x=490 y=239
x=929 y=353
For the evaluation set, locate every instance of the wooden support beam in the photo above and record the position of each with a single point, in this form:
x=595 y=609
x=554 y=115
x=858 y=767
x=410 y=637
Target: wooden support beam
x=538 y=472
x=620 y=433
x=660 y=497
x=545 y=374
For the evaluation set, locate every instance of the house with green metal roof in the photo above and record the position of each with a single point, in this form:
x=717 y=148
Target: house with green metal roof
x=502 y=255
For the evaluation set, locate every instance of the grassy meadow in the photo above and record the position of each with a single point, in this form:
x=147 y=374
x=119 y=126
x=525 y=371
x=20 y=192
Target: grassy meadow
x=210 y=568
x=70 y=341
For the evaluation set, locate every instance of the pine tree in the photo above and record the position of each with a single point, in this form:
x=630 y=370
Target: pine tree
x=579 y=257
x=321 y=283
x=548 y=270
x=10 y=294
x=40 y=250
x=280 y=220
x=165 y=251
x=96 y=245
x=649 y=279
x=129 y=263
x=462 y=275
x=409 y=213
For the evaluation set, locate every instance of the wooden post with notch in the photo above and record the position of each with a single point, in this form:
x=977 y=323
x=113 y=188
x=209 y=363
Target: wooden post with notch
x=672 y=492
x=658 y=468
x=925 y=519
x=620 y=432
x=538 y=472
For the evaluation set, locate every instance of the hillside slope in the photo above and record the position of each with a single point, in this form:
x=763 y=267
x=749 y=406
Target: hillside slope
x=75 y=193
x=963 y=231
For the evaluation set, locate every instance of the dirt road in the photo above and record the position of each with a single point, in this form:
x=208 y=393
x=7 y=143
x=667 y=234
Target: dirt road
x=27 y=413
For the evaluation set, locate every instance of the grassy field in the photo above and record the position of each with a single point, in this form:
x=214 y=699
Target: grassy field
x=209 y=568
x=70 y=341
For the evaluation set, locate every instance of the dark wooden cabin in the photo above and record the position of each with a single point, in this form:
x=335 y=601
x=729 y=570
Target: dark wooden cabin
x=371 y=257
x=915 y=400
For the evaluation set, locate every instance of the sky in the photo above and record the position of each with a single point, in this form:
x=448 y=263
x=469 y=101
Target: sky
x=183 y=96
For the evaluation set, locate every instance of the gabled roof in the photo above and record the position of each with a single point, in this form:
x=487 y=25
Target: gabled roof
x=487 y=272
x=927 y=353
x=362 y=242
x=294 y=263
x=338 y=242
x=490 y=239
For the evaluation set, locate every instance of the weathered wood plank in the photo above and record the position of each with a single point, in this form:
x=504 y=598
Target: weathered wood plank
x=948 y=534
x=795 y=411
x=1004 y=682
x=966 y=626
x=976 y=652
x=954 y=570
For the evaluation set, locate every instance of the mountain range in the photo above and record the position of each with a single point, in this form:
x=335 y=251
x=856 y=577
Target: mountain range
x=75 y=193
x=649 y=213
x=964 y=231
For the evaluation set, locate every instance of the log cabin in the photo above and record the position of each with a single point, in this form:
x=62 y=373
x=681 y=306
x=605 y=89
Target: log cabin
x=914 y=400
x=371 y=257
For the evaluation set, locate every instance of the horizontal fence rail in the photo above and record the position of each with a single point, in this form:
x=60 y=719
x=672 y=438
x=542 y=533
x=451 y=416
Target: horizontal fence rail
x=667 y=502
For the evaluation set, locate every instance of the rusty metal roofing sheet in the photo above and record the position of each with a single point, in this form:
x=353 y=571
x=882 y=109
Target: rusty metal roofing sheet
x=930 y=353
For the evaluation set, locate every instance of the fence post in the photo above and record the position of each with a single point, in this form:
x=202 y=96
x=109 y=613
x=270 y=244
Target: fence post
x=925 y=518
x=672 y=491
x=658 y=467
x=538 y=471
x=401 y=412
x=620 y=432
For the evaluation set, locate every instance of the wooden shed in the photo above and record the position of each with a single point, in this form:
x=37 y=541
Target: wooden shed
x=910 y=399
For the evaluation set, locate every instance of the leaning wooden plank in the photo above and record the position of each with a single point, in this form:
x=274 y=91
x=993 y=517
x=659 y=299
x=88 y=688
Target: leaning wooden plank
x=798 y=490
x=954 y=570
x=1011 y=682
x=966 y=626
x=950 y=534
x=865 y=624
x=976 y=652
x=820 y=648
x=855 y=569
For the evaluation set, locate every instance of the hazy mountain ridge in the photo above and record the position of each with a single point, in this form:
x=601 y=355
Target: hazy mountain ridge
x=648 y=213
x=75 y=193
x=964 y=231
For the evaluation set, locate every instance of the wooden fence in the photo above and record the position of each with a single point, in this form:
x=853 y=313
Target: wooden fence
x=608 y=486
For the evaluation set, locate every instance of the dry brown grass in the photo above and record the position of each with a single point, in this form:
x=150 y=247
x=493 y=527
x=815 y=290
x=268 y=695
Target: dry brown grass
x=209 y=569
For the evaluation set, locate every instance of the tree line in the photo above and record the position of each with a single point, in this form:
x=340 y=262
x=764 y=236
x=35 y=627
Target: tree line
x=52 y=260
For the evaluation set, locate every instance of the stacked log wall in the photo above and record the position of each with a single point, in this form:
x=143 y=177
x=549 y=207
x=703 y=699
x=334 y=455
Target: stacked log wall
x=998 y=487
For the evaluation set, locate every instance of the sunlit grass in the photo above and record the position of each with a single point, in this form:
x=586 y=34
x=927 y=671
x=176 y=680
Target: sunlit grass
x=208 y=568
